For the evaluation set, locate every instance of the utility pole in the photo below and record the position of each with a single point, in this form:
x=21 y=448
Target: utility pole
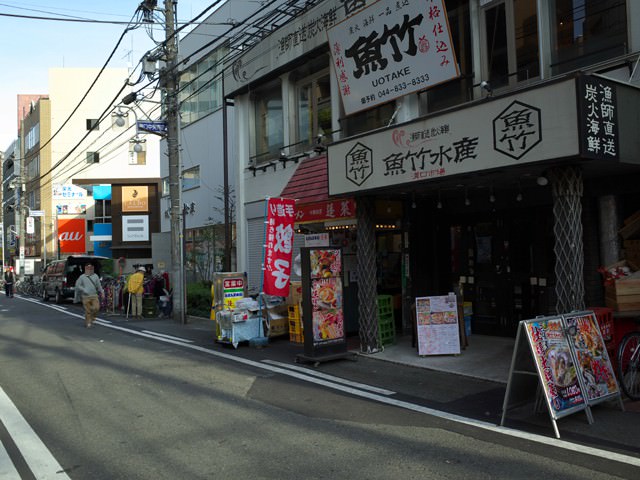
x=170 y=81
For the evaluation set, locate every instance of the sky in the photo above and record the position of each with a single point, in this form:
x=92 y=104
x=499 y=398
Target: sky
x=31 y=46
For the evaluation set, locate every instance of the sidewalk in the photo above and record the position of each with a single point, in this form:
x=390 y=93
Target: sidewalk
x=471 y=384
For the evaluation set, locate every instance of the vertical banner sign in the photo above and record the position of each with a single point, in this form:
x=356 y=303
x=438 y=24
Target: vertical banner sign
x=71 y=235
x=327 y=315
x=437 y=325
x=556 y=367
x=598 y=118
x=279 y=246
x=598 y=378
x=391 y=49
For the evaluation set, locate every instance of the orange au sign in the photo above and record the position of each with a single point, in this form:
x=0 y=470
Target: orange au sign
x=71 y=235
x=135 y=199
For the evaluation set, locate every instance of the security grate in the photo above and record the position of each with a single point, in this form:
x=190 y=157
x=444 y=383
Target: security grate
x=367 y=294
x=567 y=187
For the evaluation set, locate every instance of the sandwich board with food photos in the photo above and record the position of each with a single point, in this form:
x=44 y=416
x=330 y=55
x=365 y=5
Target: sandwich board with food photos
x=555 y=367
x=322 y=308
x=437 y=325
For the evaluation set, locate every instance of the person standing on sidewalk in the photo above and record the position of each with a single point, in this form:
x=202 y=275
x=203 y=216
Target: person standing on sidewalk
x=135 y=286
x=9 y=281
x=88 y=291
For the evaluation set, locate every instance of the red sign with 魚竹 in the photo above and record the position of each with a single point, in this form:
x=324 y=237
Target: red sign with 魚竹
x=71 y=235
x=279 y=246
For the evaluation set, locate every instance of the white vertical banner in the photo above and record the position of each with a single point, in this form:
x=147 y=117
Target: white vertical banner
x=391 y=49
x=30 y=225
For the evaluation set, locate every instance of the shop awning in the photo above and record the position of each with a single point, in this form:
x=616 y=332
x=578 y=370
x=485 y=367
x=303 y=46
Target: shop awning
x=309 y=183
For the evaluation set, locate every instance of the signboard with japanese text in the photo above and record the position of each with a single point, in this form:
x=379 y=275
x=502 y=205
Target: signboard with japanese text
x=316 y=240
x=278 y=246
x=593 y=360
x=135 y=228
x=512 y=130
x=66 y=192
x=437 y=328
x=303 y=34
x=326 y=211
x=71 y=235
x=135 y=199
x=598 y=118
x=391 y=49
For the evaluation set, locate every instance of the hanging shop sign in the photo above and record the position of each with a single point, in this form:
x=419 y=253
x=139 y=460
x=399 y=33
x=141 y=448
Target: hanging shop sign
x=391 y=49
x=66 y=192
x=135 y=199
x=325 y=211
x=71 y=235
x=511 y=130
x=437 y=325
x=322 y=304
x=316 y=240
x=280 y=217
x=135 y=228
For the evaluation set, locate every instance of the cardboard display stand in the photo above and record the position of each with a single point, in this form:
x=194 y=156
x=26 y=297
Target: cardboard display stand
x=568 y=362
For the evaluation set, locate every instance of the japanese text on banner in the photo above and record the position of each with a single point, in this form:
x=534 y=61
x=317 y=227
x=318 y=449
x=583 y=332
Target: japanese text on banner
x=279 y=246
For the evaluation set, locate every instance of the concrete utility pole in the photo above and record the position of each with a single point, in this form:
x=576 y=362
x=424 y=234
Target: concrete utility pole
x=170 y=81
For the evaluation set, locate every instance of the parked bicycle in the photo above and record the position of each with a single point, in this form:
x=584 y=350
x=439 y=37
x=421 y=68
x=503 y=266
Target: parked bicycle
x=629 y=365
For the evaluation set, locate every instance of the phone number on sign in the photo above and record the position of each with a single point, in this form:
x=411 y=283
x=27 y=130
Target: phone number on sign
x=397 y=88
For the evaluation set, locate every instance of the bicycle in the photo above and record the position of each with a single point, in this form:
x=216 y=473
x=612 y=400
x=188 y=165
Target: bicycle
x=629 y=365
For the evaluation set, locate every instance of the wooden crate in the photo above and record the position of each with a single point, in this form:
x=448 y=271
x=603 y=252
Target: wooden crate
x=624 y=295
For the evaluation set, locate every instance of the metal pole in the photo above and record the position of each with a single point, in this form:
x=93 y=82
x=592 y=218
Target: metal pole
x=175 y=168
x=227 y=213
x=44 y=237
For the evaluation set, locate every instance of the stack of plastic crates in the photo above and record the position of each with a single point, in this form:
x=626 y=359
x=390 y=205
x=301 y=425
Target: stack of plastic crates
x=386 y=324
x=295 y=325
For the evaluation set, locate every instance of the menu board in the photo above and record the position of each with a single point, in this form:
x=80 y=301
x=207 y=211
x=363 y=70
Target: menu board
x=599 y=381
x=327 y=316
x=555 y=364
x=437 y=325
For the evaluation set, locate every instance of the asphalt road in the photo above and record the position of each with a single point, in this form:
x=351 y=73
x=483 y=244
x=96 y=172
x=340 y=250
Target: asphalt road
x=104 y=403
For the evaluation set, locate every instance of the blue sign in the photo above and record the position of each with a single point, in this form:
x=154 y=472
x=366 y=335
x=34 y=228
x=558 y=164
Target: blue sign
x=159 y=127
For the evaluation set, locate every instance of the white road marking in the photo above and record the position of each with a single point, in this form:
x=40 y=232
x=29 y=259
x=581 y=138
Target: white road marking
x=331 y=378
x=7 y=470
x=41 y=463
x=546 y=441
x=170 y=337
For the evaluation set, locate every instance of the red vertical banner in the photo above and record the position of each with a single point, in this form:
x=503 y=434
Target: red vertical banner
x=279 y=246
x=71 y=235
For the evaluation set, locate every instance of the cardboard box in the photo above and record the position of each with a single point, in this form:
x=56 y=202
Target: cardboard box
x=278 y=317
x=623 y=295
x=295 y=293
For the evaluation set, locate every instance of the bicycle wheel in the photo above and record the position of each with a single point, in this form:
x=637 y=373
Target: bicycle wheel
x=629 y=364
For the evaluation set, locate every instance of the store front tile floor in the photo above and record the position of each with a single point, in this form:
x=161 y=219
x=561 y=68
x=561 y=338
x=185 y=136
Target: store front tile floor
x=485 y=357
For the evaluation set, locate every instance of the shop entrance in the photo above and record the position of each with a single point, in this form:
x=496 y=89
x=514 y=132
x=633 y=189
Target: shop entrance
x=501 y=261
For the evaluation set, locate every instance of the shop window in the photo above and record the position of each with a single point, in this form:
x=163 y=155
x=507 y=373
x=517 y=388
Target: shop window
x=510 y=40
x=459 y=90
x=585 y=32
x=268 y=122
x=191 y=178
x=93 y=124
x=313 y=110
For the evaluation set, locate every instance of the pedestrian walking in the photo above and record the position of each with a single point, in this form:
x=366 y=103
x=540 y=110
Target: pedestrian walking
x=135 y=286
x=9 y=281
x=88 y=291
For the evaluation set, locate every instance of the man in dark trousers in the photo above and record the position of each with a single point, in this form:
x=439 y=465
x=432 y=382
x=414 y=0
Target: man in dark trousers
x=9 y=281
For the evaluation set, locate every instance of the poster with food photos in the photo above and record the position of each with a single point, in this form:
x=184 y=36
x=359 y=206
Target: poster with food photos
x=599 y=381
x=437 y=325
x=326 y=296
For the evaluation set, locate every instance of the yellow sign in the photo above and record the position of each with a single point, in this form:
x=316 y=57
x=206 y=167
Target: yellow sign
x=135 y=199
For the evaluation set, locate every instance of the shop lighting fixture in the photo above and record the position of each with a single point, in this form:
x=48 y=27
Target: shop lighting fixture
x=467 y=202
x=439 y=204
x=542 y=180
x=519 y=195
x=492 y=197
x=389 y=226
x=413 y=200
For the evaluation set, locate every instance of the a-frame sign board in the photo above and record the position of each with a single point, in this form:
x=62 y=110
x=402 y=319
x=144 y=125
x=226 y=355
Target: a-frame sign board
x=564 y=352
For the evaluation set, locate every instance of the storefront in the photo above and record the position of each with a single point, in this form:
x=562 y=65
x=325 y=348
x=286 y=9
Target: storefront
x=498 y=200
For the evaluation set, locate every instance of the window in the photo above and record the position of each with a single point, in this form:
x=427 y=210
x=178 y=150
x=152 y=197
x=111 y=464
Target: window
x=314 y=109
x=93 y=157
x=93 y=124
x=368 y=120
x=510 y=42
x=201 y=87
x=191 y=178
x=585 y=32
x=102 y=210
x=269 y=123
x=33 y=167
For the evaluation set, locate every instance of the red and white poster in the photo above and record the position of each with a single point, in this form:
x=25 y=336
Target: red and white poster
x=279 y=246
x=71 y=235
